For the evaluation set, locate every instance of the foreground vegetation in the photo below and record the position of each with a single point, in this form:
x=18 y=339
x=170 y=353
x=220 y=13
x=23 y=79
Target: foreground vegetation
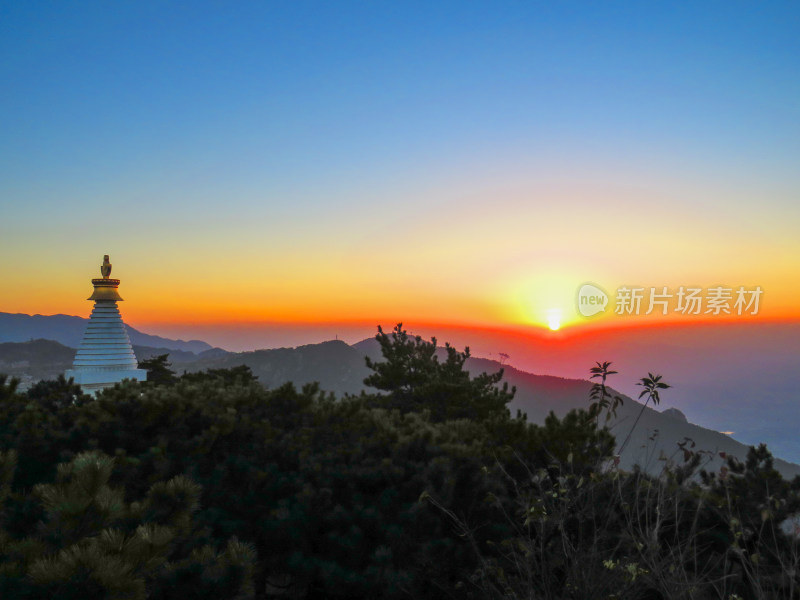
x=210 y=486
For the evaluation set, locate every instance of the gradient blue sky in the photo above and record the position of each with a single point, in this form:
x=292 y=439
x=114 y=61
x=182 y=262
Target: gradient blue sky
x=283 y=142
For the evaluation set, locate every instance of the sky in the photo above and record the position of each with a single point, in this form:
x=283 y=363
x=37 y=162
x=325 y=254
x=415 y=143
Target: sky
x=302 y=169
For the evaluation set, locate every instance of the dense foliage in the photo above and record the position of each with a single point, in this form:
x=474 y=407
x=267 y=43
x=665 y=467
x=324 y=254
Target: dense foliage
x=210 y=486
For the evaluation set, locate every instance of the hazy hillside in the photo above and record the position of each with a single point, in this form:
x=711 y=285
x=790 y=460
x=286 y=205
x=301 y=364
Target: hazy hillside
x=537 y=395
x=177 y=357
x=341 y=368
x=37 y=359
x=731 y=376
x=656 y=435
x=336 y=366
x=47 y=359
x=68 y=331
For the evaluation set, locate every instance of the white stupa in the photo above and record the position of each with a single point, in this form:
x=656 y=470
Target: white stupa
x=105 y=355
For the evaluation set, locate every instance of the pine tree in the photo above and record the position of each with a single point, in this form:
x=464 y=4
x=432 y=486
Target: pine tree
x=92 y=544
x=417 y=380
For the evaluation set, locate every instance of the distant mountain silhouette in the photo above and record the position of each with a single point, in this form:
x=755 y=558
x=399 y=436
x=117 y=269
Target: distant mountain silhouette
x=337 y=367
x=47 y=359
x=341 y=369
x=729 y=375
x=655 y=437
x=68 y=331
x=39 y=359
x=537 y=395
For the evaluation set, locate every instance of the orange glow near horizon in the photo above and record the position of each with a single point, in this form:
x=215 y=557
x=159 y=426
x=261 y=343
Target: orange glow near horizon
x=477 y=256
x=261 y=334
x=533 y=308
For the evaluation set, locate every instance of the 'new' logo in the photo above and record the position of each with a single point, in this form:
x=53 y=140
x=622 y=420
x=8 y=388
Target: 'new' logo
x=591 y=300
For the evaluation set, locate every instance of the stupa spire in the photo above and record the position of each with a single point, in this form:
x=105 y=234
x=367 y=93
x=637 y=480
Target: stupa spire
x=105 y=268
x=105 y=355
x=105 y=288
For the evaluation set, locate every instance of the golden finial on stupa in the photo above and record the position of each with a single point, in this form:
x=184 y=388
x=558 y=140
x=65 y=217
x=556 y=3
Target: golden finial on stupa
x=105 y=288
x=105 y=268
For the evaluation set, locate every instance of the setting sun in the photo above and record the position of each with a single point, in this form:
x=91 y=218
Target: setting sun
x=554 y=318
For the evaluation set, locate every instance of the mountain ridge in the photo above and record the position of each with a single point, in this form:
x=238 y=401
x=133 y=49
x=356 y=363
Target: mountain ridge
x=655 y=436
x=341 y=368
x=68 y=330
